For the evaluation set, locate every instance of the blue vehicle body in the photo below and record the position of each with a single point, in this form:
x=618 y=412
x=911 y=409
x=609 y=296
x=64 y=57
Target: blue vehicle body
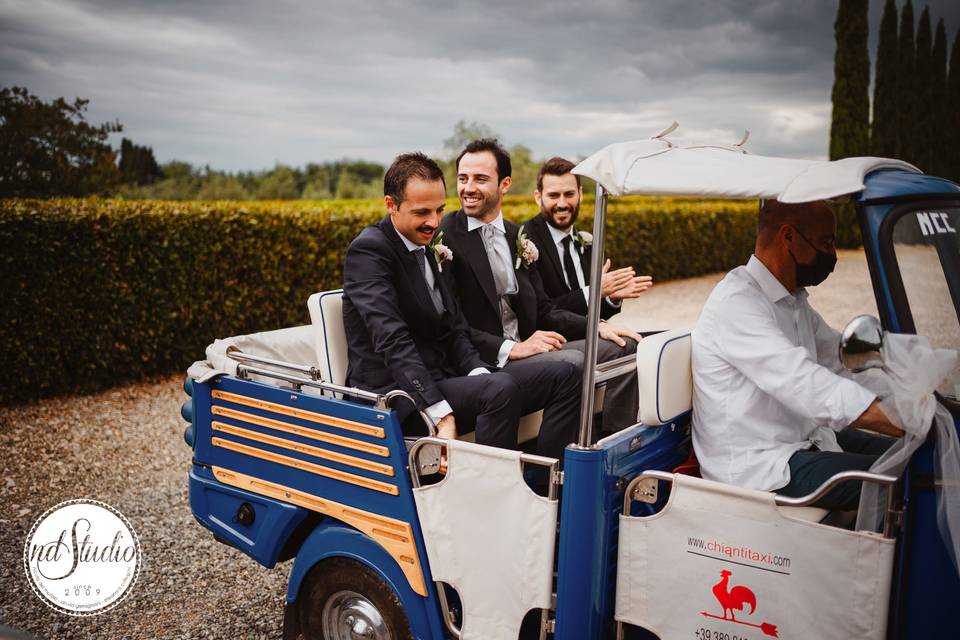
x=267 y=496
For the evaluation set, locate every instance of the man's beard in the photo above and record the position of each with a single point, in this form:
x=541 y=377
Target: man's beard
x=486 y=206
x=574 y=214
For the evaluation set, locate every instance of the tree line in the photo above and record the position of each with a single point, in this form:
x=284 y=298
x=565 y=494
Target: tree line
x=47 y=149
x=915 y=113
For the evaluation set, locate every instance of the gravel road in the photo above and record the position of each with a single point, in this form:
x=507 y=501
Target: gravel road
x=125 y=447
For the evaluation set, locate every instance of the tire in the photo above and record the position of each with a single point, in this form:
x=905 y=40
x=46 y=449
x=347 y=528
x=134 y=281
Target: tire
x=342 y=599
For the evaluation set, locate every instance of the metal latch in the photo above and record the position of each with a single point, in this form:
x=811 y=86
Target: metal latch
x=646 y=491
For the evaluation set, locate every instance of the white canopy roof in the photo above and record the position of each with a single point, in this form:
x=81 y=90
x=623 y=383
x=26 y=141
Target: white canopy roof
x=660 y=167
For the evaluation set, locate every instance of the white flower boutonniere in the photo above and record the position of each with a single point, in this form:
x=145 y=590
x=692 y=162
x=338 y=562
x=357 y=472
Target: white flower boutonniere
x=527 y=252
x=582 y=240
x=441 y=252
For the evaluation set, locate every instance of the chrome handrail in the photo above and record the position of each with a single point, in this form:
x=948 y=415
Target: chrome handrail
x=235 y=354
x=615 y=368
x=244 y=370
x=780 y=501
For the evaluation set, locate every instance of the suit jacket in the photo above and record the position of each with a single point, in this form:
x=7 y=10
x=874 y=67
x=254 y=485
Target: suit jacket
x=472 y=280
x=551 y=271
x=395 y=337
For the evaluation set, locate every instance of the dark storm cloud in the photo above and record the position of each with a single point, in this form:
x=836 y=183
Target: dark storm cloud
x=242 y=85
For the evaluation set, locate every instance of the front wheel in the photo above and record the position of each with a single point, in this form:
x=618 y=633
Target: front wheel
x=343 y=599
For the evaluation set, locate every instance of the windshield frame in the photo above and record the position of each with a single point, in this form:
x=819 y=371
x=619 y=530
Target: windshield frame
x=891 y=266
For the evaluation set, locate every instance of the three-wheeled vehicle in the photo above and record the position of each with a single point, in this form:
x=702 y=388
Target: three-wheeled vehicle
x=289 y=463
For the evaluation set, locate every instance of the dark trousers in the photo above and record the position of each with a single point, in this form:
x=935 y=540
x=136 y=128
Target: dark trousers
x=810 y=468
x=492 y=404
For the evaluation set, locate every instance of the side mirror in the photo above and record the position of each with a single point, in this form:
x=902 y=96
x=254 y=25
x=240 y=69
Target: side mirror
x=860 y=344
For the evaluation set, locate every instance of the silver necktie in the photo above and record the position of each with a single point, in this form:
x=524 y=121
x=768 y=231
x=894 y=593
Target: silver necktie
x=499 y=264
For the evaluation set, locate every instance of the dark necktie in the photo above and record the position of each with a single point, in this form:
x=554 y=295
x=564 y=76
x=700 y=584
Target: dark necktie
x=434 y=292
x=568 y=266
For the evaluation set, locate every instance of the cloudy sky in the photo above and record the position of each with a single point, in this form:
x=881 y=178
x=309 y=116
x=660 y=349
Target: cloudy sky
x=244 y=85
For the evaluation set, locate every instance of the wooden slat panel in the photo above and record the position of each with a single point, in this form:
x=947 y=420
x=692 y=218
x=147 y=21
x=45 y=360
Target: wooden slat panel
x=312 y=416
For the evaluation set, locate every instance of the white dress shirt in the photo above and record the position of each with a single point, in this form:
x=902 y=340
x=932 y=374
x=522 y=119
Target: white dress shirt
x=557 y=236
x=766 y=381
x=472 y=223
x=440 y=409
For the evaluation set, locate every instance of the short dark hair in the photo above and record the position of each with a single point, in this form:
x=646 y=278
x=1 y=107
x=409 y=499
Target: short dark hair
x=774 y=213
x=504 y=168
x=555 y=166
x=406 y=166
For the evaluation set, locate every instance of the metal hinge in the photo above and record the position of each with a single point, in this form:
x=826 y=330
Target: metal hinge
x=646 y=491
x=558 y=478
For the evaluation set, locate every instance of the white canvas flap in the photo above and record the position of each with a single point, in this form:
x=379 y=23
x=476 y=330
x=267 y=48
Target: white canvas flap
x=490 y=537
x=721 y=561
x=658 y=167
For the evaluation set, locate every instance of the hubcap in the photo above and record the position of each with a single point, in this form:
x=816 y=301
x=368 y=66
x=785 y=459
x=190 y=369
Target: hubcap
x=347 y=615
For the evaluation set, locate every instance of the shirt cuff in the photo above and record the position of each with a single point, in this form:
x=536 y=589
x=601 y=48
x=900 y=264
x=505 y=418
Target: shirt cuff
x=439 y=410
x=613 y=303
x=479 y=371
x=504 y=354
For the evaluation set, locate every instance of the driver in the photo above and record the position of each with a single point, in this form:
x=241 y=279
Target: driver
x=772 y=405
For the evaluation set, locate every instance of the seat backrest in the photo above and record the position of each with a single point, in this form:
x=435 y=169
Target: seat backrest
x=326 y=314
x=665 y=376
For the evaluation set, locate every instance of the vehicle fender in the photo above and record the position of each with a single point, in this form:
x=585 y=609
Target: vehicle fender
x=332 y=538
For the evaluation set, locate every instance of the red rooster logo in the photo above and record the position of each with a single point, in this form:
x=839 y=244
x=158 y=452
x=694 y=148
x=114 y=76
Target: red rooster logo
x=737 y=598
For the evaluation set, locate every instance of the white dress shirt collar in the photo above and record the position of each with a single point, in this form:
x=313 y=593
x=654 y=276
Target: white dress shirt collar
x=411 y=246
x=772 y=288
x=559 y=235
x=473 y=223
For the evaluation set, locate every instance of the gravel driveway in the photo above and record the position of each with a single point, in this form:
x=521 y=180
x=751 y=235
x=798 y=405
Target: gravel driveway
x=125 y=447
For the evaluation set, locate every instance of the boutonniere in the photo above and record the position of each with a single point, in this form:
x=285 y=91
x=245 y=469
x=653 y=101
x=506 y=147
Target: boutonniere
x=527 y=252
x=582 y=240
x=441 y=252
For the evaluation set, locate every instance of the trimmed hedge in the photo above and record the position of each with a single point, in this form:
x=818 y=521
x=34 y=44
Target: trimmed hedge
x=101 y=292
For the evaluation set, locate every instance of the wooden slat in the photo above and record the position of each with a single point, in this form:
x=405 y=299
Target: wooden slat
x=319 y=418
x=326 y=454
x=306 y=432
x=309 y=467
x=396 y=536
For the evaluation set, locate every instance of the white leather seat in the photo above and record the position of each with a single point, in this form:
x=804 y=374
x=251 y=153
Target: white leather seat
x=666 y=391
x=326 y=314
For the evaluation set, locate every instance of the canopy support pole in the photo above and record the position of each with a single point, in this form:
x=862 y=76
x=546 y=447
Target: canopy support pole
x=593 y=321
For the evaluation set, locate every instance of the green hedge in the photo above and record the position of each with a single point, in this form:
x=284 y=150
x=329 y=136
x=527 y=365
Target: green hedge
x=101 y=292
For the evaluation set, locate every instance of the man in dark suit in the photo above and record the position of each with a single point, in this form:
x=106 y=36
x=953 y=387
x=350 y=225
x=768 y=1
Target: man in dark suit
x=405 y=329
x=565 y=253
x=512 y=320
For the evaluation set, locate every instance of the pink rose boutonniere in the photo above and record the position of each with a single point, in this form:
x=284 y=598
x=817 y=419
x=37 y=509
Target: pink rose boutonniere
x=527 y=252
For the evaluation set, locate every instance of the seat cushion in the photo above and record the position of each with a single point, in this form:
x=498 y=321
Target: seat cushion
x=326 y=314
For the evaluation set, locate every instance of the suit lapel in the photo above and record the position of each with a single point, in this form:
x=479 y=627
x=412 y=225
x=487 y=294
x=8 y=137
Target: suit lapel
x=512 y=232
x=539 y=227
x=585 y=260
x=410 y=267
x=476 y=256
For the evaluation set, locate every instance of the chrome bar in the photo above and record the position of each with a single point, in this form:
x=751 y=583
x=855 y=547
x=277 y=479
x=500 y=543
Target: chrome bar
x=830 y=483
x=593 y=321
x=244 y=370
x=781 y=501
x=615 y=368
x=235 y=354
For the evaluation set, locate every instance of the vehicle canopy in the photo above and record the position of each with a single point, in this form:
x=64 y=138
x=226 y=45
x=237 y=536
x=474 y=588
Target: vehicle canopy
x=661 y=167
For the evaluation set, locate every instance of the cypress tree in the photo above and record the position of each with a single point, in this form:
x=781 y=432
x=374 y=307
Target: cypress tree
x=884 y=137
x=953 y=112
x=906 y=86
x=923 y=102
x=850 y=125
x=938 y=108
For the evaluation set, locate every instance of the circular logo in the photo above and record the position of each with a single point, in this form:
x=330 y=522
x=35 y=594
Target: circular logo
x=82 y=557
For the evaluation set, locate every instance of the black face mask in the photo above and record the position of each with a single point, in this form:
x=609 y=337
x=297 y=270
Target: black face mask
x=812 y=274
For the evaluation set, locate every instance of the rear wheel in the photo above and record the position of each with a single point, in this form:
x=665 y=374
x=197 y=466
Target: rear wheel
x=343 y=599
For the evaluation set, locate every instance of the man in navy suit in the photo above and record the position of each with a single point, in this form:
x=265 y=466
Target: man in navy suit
x=512 y=319
x=565 y=253
x=405 y=329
